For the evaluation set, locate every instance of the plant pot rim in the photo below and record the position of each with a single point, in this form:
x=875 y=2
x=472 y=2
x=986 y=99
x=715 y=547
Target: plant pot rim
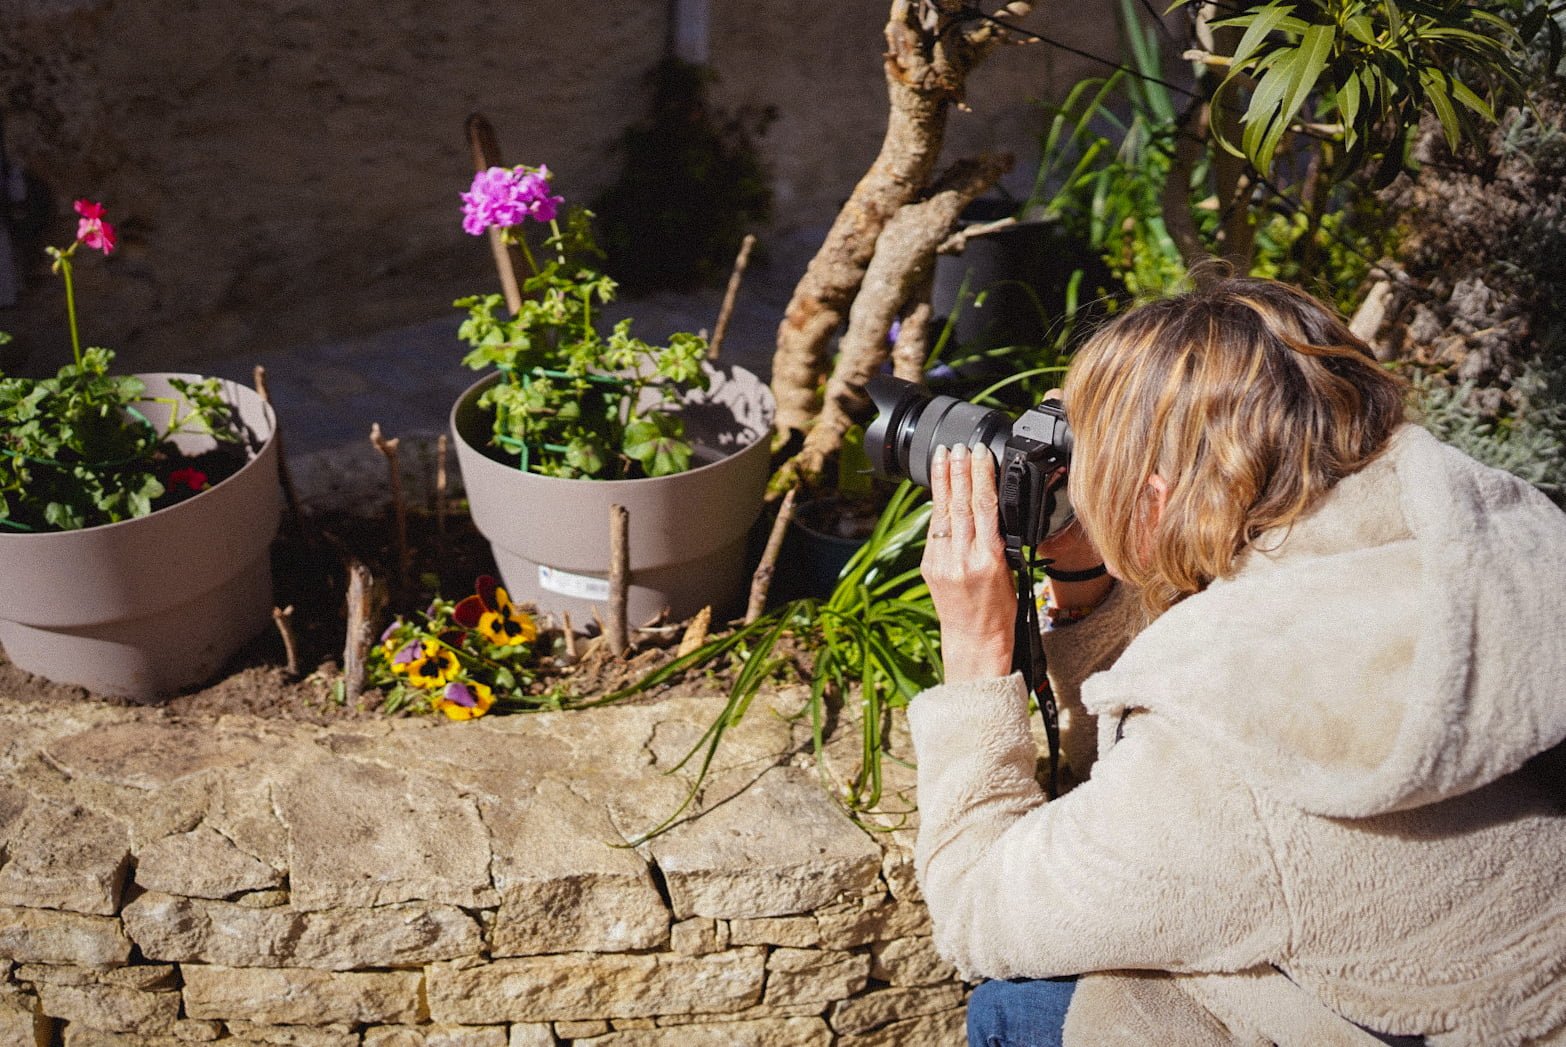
x=472 y=392
x=169 y=511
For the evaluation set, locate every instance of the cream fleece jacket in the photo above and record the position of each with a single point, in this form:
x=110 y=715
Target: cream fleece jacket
x=1330 y=785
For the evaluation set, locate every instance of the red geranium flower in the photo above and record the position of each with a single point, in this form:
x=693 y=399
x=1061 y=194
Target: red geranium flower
x=189 y=477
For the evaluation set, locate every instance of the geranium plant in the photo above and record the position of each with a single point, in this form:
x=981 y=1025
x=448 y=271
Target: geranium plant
x=572 y=401
x=455 y=658
x=75 y=449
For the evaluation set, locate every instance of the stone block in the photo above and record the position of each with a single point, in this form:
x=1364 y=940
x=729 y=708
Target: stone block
x=261 y=899
x=933 y=1030
x=22 y=1022
x=699 y=935
x=300 y=996
x=566 y=882
x=151 y=756
x=531 y=1034
x=814 y=976
x=874 y=920
x=202 y=863
x=190 y=930
x=778 y=848
x=871 y=1011
x=197 y=1030
x=580 y=1030
x=909 y=961
x=144 y=977
x=336 y=1035
x=84 y=1036
x=435 y=1036
x=361 y=835
x=582 y=987
x=763 y=1032
x=796 y=932
x=111 y=1008
x=40 y=936
x=897 y=869
x=62 y=856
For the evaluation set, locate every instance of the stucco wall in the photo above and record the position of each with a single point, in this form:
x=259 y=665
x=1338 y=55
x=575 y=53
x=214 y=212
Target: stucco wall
x=286 y=172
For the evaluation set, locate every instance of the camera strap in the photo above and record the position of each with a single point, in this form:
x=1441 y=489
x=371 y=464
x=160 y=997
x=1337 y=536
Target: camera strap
x=1027 y=657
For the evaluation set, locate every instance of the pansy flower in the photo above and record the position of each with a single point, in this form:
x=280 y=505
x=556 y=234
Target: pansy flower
x=426 y=664
x=465 y=699
x=491 y=614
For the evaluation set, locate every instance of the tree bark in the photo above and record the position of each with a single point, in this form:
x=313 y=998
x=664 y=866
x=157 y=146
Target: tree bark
x=911 y=350
x=904 y=259
x=930 y=51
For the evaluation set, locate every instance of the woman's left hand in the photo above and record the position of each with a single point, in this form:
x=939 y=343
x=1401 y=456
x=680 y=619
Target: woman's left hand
x=964 y=564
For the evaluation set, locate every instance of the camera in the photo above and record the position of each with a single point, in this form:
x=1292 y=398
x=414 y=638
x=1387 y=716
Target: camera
x=1032 y=453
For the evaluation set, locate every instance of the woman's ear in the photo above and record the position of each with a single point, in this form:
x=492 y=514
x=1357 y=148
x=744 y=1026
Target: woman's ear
x=1157 y=495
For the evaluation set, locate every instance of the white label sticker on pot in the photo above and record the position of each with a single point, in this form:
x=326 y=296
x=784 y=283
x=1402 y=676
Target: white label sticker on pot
x=582 y=586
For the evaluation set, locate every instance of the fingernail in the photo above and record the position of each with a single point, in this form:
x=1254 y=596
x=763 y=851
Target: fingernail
x=960 y=451
x=940 y=454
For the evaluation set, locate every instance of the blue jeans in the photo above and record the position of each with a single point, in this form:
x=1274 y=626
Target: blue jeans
x=1026 y=1012
x=1032 y=1013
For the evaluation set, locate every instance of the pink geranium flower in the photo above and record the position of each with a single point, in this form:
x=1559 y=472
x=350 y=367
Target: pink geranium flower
x=91 y=229
x=502 y=196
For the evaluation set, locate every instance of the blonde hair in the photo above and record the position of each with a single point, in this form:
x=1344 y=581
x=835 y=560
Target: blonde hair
x=1250 y=400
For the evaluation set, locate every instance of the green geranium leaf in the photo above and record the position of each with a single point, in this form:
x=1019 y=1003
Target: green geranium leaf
x=584 y=458
x=657 y=441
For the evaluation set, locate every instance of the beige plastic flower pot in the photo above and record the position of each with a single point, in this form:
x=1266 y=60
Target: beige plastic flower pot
x=148 y=607
x=687 y=541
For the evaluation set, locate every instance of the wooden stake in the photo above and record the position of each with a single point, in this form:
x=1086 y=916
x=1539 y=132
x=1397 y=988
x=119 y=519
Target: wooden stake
x=356 y=646
x=289 y=493
x=740 y=262
x=761 y=581
x=619 y=578
x=284 y=617
x=399 y=502
x=485 y=148
x=442 y=451
x=570 y=635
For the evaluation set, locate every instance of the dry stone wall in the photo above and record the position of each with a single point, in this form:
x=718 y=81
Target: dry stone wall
x=421 y=884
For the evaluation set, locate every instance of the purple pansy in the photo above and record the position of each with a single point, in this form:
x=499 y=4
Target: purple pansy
x=461 y=694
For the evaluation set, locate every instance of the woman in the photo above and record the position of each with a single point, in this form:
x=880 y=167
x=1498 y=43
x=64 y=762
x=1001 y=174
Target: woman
x=1328 y=679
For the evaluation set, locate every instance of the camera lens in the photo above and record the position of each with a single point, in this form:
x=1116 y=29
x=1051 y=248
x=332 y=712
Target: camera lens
x=910 y=423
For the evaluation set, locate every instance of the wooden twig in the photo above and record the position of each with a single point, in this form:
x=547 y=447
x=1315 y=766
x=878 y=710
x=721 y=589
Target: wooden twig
x=284 y=617
x=485 y=148
x=727 y=310
x=283 y=475
x=356 y=645
x=399 y=501
x=695 y=633
x=442 y=452
x=761 y=581
x=615 y=631
x=569 y=634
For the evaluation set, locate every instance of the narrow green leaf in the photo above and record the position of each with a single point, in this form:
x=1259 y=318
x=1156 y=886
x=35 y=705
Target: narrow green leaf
x=1435 y=89
x=1264 y=22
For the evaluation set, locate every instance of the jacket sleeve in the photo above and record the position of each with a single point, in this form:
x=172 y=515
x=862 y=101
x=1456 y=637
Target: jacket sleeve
x=1158 y=862
x=1077 y=651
